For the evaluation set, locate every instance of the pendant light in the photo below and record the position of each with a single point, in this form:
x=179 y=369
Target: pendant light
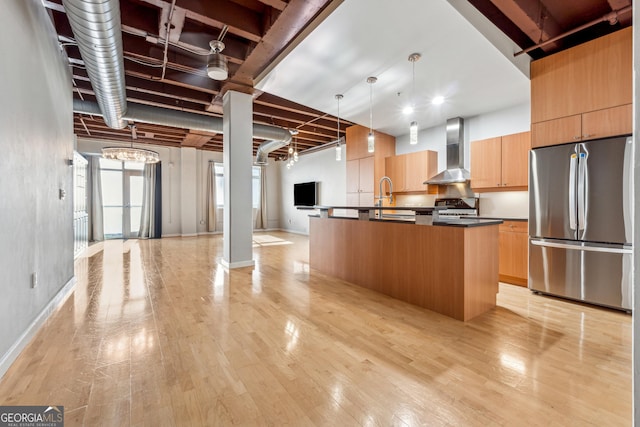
x=371 y=139
x=339 y=146
x=413 y=127
x=131 y=153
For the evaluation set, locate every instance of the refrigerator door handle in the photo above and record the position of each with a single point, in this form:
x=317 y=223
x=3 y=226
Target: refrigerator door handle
x=572 y=191
x=582 y=188
x=581 y=248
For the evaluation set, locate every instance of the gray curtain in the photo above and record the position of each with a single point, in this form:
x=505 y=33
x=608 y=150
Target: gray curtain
x=148 y=216
x=211 y=198
x=261 y=215
x=97 y=222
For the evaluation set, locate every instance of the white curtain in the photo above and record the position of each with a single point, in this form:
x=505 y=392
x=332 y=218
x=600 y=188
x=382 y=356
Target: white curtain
x=211 y=198
x=261 y=215
x=148 y=215
x=97 y=222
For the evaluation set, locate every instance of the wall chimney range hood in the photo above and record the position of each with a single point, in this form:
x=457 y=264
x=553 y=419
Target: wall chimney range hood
x=455 y=172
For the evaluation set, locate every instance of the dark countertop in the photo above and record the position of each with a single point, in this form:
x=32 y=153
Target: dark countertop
x=503 y=219
x=461 y=222
x=422 y=209
x=467 y=222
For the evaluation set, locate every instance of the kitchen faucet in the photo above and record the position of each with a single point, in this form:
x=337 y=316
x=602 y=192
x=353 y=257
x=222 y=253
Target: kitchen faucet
x=381 y=195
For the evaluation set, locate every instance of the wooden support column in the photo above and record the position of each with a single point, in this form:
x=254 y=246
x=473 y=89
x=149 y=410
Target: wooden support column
x=237 y=155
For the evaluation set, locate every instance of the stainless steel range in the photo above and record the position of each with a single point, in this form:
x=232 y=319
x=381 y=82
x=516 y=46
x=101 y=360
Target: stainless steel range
x=458 y=207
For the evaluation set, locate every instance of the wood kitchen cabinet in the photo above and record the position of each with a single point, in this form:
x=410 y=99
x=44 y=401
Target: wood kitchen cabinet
x=409 y=171
x=513 y=266
x=365 y=169
x=360 y=180
x=500 y=163
x=583 y=127
x=584 y=92
x=395 y=167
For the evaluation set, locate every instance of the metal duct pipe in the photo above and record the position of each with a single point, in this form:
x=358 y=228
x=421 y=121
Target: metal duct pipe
x=277 y=136
x=166 y=117
x=97 y=30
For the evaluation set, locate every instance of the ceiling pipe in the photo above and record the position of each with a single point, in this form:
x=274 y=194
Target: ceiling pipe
x=98 y=33
x=611 y=17
x=277 y=137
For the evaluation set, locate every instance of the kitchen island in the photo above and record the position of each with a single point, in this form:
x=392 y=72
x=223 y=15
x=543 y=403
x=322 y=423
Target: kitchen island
x=448 y=266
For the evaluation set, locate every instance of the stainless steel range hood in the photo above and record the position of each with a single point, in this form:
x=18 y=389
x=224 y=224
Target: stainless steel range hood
x=455 y=171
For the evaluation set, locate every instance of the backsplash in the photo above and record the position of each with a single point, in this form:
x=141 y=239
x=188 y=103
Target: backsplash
x=410 y=200
x=505 y=204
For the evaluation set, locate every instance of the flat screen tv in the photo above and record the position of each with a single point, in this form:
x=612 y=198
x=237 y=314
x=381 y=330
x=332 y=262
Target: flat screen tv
x=304 y=194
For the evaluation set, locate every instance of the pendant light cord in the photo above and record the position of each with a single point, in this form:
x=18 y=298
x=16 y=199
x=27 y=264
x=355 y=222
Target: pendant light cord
x=338 y=119
x=413 y=86
x=370 y=107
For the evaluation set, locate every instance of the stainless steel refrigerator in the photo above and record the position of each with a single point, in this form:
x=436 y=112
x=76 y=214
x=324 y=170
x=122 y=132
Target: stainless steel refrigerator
x=580 y=221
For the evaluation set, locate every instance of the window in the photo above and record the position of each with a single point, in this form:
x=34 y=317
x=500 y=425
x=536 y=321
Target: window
x=219 y=171
x=255 y=186
x=122 y=190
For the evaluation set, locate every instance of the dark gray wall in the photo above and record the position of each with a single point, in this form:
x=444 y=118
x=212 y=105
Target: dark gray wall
x=36 y=139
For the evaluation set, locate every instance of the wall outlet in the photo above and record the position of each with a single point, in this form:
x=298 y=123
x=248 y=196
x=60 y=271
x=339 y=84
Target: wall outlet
x=290 y=221
x=34 y=280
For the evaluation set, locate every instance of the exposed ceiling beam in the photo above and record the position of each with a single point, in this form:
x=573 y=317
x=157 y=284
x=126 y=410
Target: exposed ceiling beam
x=289 y=24
x=218 y=13
x=532 y=18
x=276 y=4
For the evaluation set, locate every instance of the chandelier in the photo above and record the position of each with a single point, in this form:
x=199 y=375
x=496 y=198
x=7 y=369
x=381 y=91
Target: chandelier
x=130 y=154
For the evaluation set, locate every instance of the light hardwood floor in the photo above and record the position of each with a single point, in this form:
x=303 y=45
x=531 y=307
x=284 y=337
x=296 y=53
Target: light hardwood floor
x=157 y=333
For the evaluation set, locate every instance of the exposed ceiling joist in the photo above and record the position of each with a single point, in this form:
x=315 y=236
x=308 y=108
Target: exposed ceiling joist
x=532 y=17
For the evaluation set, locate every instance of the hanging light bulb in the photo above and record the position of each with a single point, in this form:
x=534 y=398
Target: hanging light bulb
x=413 y=133
x=290 y=149
x=338 y=145
x=413 y=127
x=371 y=138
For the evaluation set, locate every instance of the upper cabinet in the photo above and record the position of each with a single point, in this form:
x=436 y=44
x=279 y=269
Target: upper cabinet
x=409 y=171
x=500 y=163
x=365 y=169
x=584 y=92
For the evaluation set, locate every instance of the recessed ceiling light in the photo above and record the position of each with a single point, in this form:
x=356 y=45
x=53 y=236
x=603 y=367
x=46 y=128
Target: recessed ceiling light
x=437 y=100
x=407 y=110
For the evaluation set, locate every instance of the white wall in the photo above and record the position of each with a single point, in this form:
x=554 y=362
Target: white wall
x=322 y=167
x=36 y=141
x=515 y=119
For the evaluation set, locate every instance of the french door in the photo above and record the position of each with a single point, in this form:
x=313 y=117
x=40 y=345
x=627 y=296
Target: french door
x=122 y=184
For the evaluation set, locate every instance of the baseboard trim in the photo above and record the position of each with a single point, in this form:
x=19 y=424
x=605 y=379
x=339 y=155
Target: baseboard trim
x=302 y=233
x=240 y=264
x=56 y=302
